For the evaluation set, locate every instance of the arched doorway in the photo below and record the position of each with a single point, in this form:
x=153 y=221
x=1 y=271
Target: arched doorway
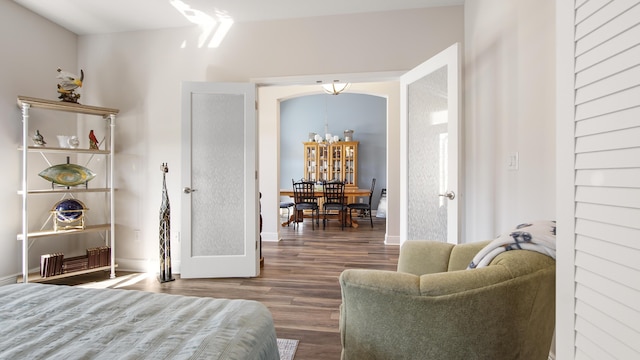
x=270 y=98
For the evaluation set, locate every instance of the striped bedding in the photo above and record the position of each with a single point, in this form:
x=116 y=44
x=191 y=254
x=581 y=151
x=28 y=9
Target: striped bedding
x=40 y=321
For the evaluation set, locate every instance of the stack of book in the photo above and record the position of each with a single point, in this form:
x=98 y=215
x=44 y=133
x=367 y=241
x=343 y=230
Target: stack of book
x=51 y=264
x=76 y=263
x=98 y=257
x=56 y=263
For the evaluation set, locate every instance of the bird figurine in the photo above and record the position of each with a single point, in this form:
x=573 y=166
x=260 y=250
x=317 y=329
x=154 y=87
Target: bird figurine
x=38 y=139
x=93 y=141
x=68 y=84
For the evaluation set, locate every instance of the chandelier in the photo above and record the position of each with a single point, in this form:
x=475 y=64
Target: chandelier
x=335 y=88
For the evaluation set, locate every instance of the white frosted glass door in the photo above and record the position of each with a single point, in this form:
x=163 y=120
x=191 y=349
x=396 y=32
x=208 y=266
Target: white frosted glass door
x=220 y=198
x=430 y=140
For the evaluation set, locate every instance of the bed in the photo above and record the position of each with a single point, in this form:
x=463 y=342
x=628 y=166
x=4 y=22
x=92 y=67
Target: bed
x=41 y=321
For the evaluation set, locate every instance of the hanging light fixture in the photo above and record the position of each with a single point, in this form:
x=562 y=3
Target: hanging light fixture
x=335 y=88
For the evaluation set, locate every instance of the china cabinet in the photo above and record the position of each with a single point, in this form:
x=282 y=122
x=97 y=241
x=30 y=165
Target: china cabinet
x=331 y=161
x=29 y=187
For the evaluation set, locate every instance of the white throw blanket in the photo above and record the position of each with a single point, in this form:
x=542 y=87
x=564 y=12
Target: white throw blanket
x=537 y=236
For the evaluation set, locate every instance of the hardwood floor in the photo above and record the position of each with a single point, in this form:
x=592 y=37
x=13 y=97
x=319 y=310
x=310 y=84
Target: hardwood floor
x=298 y=283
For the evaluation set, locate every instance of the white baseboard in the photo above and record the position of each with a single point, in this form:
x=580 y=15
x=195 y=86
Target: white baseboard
x=391 y=240
x=270 y=236
x=145 y=266
x=12 y=279
x=135 y=265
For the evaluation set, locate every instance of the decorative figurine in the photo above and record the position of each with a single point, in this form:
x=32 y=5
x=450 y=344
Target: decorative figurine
x=73 y=141
x=38 y=139
x=68 y=84
x=165 y=231
x=93 y=141
x=67 y=175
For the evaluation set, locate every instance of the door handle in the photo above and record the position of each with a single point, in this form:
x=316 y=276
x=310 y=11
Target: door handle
x=449 y=194
x=188 y=190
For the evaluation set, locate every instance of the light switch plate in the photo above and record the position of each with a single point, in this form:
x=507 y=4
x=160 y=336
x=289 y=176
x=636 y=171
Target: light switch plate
x=513 y=161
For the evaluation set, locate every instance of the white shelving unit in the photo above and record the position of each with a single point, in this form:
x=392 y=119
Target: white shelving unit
x=26 y=103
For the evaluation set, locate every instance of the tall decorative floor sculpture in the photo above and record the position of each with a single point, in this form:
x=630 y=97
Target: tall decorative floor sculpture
x=165 y=231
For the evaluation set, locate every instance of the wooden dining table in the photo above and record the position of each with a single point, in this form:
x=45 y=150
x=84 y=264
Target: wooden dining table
x=351 y=193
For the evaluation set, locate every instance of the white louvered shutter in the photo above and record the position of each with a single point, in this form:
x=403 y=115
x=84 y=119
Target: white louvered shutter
x=599 y=247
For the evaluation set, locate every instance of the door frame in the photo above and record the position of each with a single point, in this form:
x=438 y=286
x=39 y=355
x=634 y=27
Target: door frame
x=273 y=90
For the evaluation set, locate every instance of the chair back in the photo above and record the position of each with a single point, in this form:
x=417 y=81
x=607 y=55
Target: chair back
x=334 y=193
x=373 y=186
x=304 y=192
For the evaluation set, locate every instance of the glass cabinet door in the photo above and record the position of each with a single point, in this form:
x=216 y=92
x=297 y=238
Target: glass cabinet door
x=336 y=170
x=350 y=155
x=310 y=161
x=323 y=162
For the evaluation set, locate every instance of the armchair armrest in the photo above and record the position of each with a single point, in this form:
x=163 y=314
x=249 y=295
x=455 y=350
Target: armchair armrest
x=382 y=281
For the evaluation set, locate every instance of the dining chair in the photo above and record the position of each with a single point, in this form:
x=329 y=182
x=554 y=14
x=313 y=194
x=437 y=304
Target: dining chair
x=287 y=205
x=334 y=200
x=364 y=206
x=304 y=198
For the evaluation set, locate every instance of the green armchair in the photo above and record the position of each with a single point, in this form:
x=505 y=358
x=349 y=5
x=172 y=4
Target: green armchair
x=434 y=308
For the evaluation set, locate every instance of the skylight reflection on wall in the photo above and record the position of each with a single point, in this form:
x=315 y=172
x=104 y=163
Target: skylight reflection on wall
x=213 y=28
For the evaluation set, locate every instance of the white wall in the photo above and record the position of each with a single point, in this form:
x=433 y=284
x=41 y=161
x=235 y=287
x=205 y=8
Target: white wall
x=32 y=50
x=509 y=107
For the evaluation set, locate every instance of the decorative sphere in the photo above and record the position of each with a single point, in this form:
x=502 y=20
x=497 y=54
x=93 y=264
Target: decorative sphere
x=69 y=210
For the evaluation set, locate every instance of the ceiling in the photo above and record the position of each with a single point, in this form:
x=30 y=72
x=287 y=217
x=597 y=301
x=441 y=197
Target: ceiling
x=85 y=17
